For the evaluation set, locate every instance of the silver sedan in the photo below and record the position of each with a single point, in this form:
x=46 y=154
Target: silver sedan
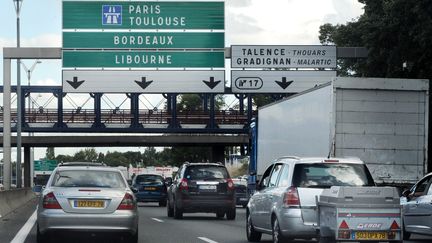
x=417 y=208
x=88 y=199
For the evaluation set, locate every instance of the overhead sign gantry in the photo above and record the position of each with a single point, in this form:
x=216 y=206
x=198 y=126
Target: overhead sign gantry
x=152 y=40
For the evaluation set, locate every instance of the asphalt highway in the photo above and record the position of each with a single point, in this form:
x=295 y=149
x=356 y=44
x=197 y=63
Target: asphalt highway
x=155 y=227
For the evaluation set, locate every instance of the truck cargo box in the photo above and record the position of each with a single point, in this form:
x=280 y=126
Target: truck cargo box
x=381 y=121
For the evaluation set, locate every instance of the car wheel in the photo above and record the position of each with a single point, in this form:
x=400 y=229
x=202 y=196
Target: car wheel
x=276 y=232
x=162 y=203
x=251 y=234
x=231 y=214
x=170 y=210
x=40 y=238
x=178 y=213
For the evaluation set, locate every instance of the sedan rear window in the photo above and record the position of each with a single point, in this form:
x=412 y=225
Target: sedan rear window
x=149 y=179
x=205 y=172
x=88 y=178
x=326 y=175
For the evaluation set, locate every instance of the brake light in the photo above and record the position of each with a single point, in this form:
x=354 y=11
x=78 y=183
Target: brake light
x=184 y=185
x=331 y=161
x=50 y=201
x=230 y=184
x=291 y=197
x=127 y=203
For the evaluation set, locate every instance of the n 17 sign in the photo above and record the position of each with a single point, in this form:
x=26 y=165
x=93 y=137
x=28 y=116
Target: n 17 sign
x=245 y=81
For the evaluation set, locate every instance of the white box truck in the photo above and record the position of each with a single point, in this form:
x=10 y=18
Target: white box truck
x=384 y=122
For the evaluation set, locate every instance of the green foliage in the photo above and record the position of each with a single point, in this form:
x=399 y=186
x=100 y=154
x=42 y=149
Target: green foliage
x=194 y=102
x=50 y=154
x=86 y=155
x=397 y=33
x=64 y=158
x=116 y=159
x=179 y=155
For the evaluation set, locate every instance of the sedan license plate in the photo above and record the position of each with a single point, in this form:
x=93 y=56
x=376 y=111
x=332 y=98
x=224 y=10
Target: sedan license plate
x=89 y=204
x=367 y=235
x=150 y=188
x=207 y=187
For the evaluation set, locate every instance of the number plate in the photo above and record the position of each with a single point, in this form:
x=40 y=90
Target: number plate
x=150 y=188
x=366 y=235
x=89 y=204
x=208 y=187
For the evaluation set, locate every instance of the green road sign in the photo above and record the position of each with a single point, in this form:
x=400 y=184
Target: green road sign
x=143 y=59
x=45 y=165
x=143 y=15
x=142 y=40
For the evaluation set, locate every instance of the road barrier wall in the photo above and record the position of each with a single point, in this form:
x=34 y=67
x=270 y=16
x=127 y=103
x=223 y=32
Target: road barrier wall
x=13 y=199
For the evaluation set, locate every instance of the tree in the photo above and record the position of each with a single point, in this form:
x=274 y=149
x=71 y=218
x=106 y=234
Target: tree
x=50 y=154
x=397 y=34
x=86 y=155
x=194 y=102
x=64 y=158
x=116 y=159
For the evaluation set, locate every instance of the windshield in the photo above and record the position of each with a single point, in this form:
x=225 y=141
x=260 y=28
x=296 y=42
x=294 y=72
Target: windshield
x=88 y=178
x=205 y=172
x=149 y=179
x=322 y=175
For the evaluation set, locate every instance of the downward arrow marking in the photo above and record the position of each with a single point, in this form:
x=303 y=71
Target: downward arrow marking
x=75 y=83
x=284 y=83
x=143 y=83
x=212 y=83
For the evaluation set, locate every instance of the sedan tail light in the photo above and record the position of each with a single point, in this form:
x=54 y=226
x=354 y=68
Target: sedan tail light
x=127 y=203
x=50 y=201
x=291 y=197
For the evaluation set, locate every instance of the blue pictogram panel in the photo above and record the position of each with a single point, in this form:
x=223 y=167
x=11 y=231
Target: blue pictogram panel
x=111 y=14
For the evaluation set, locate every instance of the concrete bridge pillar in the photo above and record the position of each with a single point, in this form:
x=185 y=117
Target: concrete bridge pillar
x=27 y=169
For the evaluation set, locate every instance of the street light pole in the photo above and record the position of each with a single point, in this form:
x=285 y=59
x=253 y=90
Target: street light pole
x=29 y=73
x=18 y=4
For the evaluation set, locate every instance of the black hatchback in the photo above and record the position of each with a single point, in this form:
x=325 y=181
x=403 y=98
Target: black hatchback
x=202 y=187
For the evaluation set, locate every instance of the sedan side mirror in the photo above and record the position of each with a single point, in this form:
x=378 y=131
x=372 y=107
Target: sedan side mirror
x=168 y=181
x=134 y=190
x=406 y=193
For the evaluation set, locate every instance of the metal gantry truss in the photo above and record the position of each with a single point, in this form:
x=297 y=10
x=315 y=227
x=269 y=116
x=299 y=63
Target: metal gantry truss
x=135 y=119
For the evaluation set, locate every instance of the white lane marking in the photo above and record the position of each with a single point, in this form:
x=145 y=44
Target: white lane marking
x=207 y=240
x=158 y=220
x=25 y=230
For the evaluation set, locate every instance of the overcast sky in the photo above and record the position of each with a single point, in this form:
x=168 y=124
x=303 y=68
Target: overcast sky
x=248 y=22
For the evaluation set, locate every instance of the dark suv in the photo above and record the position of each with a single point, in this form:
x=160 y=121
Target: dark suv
x=202 y=187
